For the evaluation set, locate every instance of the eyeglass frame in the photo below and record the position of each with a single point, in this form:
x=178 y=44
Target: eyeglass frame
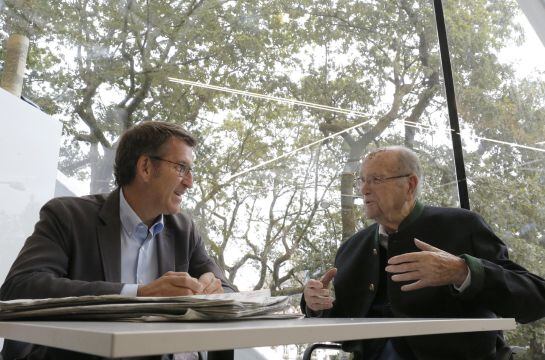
x=376 y=180
x=183 y=169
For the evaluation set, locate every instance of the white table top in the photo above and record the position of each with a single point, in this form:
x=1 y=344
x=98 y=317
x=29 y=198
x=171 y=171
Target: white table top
x=119 y=339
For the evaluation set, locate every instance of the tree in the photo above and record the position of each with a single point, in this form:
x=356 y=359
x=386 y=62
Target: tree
x=102 y=67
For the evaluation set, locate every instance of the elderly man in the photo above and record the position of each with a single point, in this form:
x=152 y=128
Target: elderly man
x=133 y=241
x=422 y=261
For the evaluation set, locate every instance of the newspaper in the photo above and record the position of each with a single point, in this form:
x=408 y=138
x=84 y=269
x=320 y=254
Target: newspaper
x=228 y=306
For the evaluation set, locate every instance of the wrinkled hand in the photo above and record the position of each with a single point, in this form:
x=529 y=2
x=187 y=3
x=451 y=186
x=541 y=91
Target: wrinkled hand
x=211 y=284
x=316 y=292
x=171 y=284
x=429 y=267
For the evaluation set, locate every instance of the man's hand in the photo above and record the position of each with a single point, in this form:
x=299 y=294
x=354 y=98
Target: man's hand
x=171 y=284
x=429 y=267
x=211 y=284
x=316 y=292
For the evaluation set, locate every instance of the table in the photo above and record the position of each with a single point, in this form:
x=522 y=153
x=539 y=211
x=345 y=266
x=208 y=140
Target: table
x=119 y=339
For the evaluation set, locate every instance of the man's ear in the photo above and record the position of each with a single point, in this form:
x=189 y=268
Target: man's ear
x=413 y=184
x=144 y=168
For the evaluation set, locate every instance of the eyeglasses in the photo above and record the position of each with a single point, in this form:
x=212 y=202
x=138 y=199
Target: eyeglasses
x=376 y=180
x=183 y=169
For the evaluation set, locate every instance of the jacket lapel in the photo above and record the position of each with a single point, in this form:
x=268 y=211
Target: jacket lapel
x=165 y=250
x=109 y=237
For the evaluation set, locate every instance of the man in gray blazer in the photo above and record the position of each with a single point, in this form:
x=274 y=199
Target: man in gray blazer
x=133 y=241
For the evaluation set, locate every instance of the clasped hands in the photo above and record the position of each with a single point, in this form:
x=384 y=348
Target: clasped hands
x=429 y=267
x=180 y=284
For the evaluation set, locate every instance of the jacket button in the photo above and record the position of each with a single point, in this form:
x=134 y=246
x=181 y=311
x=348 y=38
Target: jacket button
x=371 y=287
x=375 y=252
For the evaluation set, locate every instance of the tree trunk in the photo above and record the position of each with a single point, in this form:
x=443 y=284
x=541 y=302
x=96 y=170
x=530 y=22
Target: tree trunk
x=101 y=169
x=15 y=64
x=347 y=198
x=410 y=132
x=347 y=205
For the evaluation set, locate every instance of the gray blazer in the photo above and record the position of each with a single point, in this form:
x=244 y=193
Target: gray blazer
x=76 y=250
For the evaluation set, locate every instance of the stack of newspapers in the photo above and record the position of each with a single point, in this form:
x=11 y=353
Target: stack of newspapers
x=229 y=306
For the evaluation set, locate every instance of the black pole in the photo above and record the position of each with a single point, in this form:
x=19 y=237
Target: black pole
x=451 y=102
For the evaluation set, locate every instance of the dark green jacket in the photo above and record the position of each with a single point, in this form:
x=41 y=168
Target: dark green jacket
x=499 y=287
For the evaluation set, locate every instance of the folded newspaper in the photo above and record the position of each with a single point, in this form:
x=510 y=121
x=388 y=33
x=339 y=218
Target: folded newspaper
x=229 y=306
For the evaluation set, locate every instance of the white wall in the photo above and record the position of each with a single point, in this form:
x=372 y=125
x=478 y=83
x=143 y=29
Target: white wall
x=535 y=12
x=29 y=150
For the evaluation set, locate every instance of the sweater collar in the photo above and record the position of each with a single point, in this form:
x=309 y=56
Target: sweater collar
x=415 y=214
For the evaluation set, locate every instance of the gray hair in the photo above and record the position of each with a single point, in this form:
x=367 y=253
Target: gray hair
x=407 y=160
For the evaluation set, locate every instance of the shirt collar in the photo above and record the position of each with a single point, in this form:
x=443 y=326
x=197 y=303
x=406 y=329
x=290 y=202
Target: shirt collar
x=382 y=236
x=130 y=221
x=382 y=230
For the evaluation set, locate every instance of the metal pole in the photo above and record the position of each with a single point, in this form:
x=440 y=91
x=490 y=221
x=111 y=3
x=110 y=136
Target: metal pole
x=451 y=102
x=15 y=64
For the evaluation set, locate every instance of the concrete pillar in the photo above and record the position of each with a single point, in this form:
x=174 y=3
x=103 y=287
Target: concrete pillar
x=15 y=64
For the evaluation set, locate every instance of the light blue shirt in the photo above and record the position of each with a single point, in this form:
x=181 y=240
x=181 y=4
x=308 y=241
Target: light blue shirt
x=139 y=264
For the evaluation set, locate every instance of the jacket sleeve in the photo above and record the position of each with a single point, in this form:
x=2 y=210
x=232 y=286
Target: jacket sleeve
x=42 y=266
x=200 y=262
x=499 y=284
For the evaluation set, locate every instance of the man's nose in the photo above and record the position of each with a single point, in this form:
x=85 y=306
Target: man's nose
x=187 y=180
x=365 y=188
